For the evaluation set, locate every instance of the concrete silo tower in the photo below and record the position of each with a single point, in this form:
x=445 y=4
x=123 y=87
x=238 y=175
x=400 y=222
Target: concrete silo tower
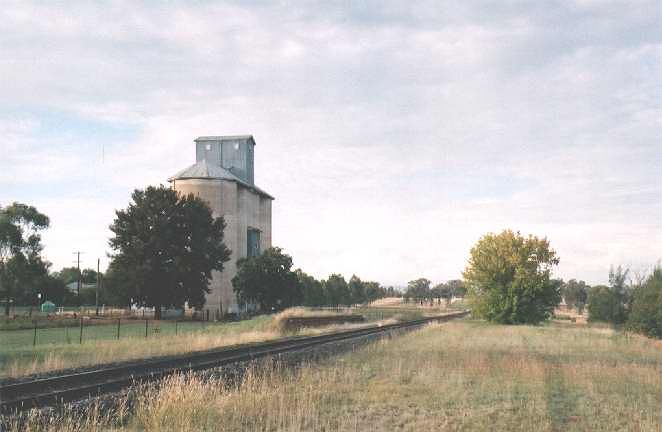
x=223 y=175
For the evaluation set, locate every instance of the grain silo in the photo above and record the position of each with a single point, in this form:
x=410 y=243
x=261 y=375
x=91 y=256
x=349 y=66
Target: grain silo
x=223 y=175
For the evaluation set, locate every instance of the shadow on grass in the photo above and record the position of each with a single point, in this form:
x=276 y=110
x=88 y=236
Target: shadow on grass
x=561 y=401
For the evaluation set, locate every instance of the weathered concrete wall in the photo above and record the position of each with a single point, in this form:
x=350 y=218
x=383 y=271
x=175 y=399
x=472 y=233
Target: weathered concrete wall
x=242 y=209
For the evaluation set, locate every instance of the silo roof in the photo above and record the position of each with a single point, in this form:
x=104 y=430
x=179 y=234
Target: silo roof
x=226 y=138
x=203 y=170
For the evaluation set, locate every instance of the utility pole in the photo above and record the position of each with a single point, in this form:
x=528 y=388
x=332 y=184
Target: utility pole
x=77 y=253
x=96 y=300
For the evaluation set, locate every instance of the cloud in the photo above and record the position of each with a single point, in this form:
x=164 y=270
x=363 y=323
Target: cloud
x=392 y=135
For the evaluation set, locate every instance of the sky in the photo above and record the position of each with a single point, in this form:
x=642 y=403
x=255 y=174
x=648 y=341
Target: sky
x=392 y=134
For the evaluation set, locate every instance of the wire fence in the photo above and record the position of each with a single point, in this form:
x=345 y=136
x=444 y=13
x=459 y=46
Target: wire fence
x=101 y=311
x=110 y=329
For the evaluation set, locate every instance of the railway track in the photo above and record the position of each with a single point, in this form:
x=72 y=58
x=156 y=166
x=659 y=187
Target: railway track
x=71 y=387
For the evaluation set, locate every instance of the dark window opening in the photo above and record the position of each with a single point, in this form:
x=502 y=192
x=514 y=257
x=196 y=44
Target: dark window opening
x=253 y=243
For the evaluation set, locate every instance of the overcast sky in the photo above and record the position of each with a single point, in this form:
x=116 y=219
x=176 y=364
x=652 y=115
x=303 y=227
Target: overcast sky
x=392 y=135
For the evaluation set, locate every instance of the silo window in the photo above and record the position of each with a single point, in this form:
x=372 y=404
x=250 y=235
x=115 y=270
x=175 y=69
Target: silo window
x=208 y=147
x=253 y=243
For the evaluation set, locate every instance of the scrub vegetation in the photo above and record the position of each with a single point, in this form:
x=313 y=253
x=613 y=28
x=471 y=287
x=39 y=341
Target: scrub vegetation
x=456 y=376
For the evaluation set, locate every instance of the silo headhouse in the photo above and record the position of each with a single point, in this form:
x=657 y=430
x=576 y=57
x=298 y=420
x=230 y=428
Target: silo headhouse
x=223 y=175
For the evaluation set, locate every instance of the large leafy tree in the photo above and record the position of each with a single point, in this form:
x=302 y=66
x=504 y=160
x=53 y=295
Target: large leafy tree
x=167 y=245
x=20 y=250
x=508 y=278
x=268 y=281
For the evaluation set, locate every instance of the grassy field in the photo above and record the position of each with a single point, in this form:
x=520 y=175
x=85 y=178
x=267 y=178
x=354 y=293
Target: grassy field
x=18 y=357
x=60 y=347
x=456 y=376
x=13 y=339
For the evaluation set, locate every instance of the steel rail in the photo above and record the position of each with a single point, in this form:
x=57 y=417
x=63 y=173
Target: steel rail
x=74 y=386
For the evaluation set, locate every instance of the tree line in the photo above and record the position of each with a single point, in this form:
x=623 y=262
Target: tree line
x=420 y=290
x=165 y=247
x=633 y=303
x=22 y=270
x=269 y=281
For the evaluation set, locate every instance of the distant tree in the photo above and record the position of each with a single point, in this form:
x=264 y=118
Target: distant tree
x=419 y=289
x=118 y=288
x=611 y=303
x=357 y=290
x=575 y=294
x=89 y=276
x=68 y=275
x=447 y=293
x=604 y=305
x=167 y=245
x=391 y=292
x=20 y=248
x=457 y=288
x=438 y=291
x=53 y=289
x=508 y=279
x=448 y=290
x=268 y=281
x=374 y=291
x=313 y=291
x=337 y=291
x=618 y=283
x=646 y=313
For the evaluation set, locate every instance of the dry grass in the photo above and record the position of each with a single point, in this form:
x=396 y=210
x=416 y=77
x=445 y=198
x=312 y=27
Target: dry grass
x=454 y=376
x=279 y=321
x=399 y=302
x=570 y=315
x=53 y=357
x=56 y=357
x=301 y=311
x=388 y=301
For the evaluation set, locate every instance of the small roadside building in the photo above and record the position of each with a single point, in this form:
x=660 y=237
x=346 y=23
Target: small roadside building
x=48 y=307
